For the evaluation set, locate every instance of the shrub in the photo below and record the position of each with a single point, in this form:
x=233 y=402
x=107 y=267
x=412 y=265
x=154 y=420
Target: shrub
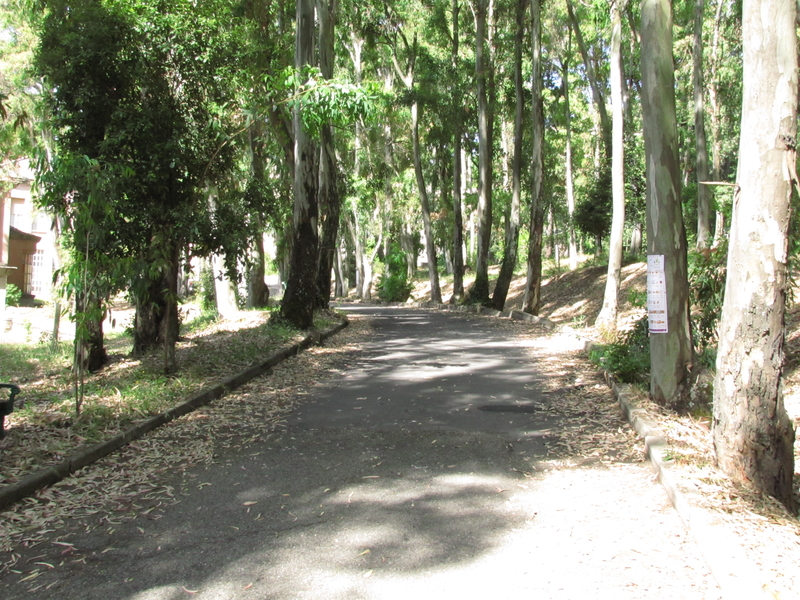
x=707 y=270
x=13 y=295
x=208 y=294
x=628 y=359
x=393 y=284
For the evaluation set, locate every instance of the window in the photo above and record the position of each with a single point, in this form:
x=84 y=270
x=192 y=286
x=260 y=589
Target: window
x=37 y=276
x=18 y=215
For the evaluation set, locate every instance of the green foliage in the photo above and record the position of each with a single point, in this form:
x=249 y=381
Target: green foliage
x=393 y=285
x=207 y=291
x=593 y=215
x=328 y=100
x=628 y=359
x=707 y=270
x=637 y=298
x=13 y=295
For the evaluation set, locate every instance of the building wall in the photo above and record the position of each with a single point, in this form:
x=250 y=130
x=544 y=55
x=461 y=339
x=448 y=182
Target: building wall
x=35 y=265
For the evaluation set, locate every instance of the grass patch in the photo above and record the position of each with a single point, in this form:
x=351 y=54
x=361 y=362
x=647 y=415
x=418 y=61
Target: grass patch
x=126 y=390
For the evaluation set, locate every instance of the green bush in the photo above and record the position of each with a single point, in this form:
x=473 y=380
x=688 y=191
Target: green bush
x=13 y=295
x=393 y=284
x=208 y=295
x=628 y=359
x=707 y=270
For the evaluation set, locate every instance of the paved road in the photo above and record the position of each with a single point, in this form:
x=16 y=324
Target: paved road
x=408 y=478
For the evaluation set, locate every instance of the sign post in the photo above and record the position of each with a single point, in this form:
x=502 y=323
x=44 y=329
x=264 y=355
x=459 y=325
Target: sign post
x=656 y=294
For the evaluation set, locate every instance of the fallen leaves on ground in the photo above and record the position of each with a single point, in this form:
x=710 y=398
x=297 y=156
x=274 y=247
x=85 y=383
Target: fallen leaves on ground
x=129 y=483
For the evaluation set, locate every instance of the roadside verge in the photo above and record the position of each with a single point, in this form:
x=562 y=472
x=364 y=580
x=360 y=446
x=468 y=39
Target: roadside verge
x=30 y=484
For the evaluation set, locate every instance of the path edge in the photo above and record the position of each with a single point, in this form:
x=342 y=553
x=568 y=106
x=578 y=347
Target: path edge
x=32 y=483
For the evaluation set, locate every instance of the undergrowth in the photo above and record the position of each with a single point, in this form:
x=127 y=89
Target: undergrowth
x=129 y=389
x=628 y=357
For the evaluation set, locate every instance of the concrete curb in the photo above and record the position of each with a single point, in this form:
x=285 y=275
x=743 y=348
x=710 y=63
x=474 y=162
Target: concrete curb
x=32 y=483
x=736 y=576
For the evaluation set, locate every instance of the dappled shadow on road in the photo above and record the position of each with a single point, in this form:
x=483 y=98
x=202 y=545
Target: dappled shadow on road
x=349 y=535
x=395 y=478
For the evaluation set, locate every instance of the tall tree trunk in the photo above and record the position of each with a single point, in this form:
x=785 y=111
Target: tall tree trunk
x=257 y=288
x=607 y=319
x=512 y=229
x=753 y=436
x=90 y=349
x=430 y=242
x=458 y=221
x=298 y=302
x=597 y=94
x=671 y=351
x=223 y=288
x=330 y=201
x=568 y=177
x=358 y=251
x=479 y=292
x=341 y=288
x=170 y=324
x=715 y=110
x=701 y=146
x=533 y=283
x=409 y=250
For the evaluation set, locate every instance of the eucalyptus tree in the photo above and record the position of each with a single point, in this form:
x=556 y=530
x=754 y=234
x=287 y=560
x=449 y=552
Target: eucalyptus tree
x=753 y=436
x=483 y=11
x=404 y=56
x=607 y=319
x=266 y=139
x=329 y=190
x=457 y=100
x=593 y=79
x=724 y=83
x=533 y=282
x=701 y=145
x=297 y=306
x=569 y=178
x=512 y=231
x=671 y=351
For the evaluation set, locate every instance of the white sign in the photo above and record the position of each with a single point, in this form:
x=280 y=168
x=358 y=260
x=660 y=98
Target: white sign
x=656 y=294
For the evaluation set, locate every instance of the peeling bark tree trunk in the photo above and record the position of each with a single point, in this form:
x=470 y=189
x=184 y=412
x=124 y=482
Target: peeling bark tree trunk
x=479 y=292
x=257 y=288
x=329 y=198
x=298 y=302
x=512 y=230
x=533 y=283
x=753 y=436
x=607 y=319
x=670 y=352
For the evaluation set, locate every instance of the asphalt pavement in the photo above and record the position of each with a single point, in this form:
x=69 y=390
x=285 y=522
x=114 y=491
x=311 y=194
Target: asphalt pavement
x=411 y=476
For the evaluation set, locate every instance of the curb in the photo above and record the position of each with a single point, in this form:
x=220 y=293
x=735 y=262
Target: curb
x=736 y=576
x=32 y=483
